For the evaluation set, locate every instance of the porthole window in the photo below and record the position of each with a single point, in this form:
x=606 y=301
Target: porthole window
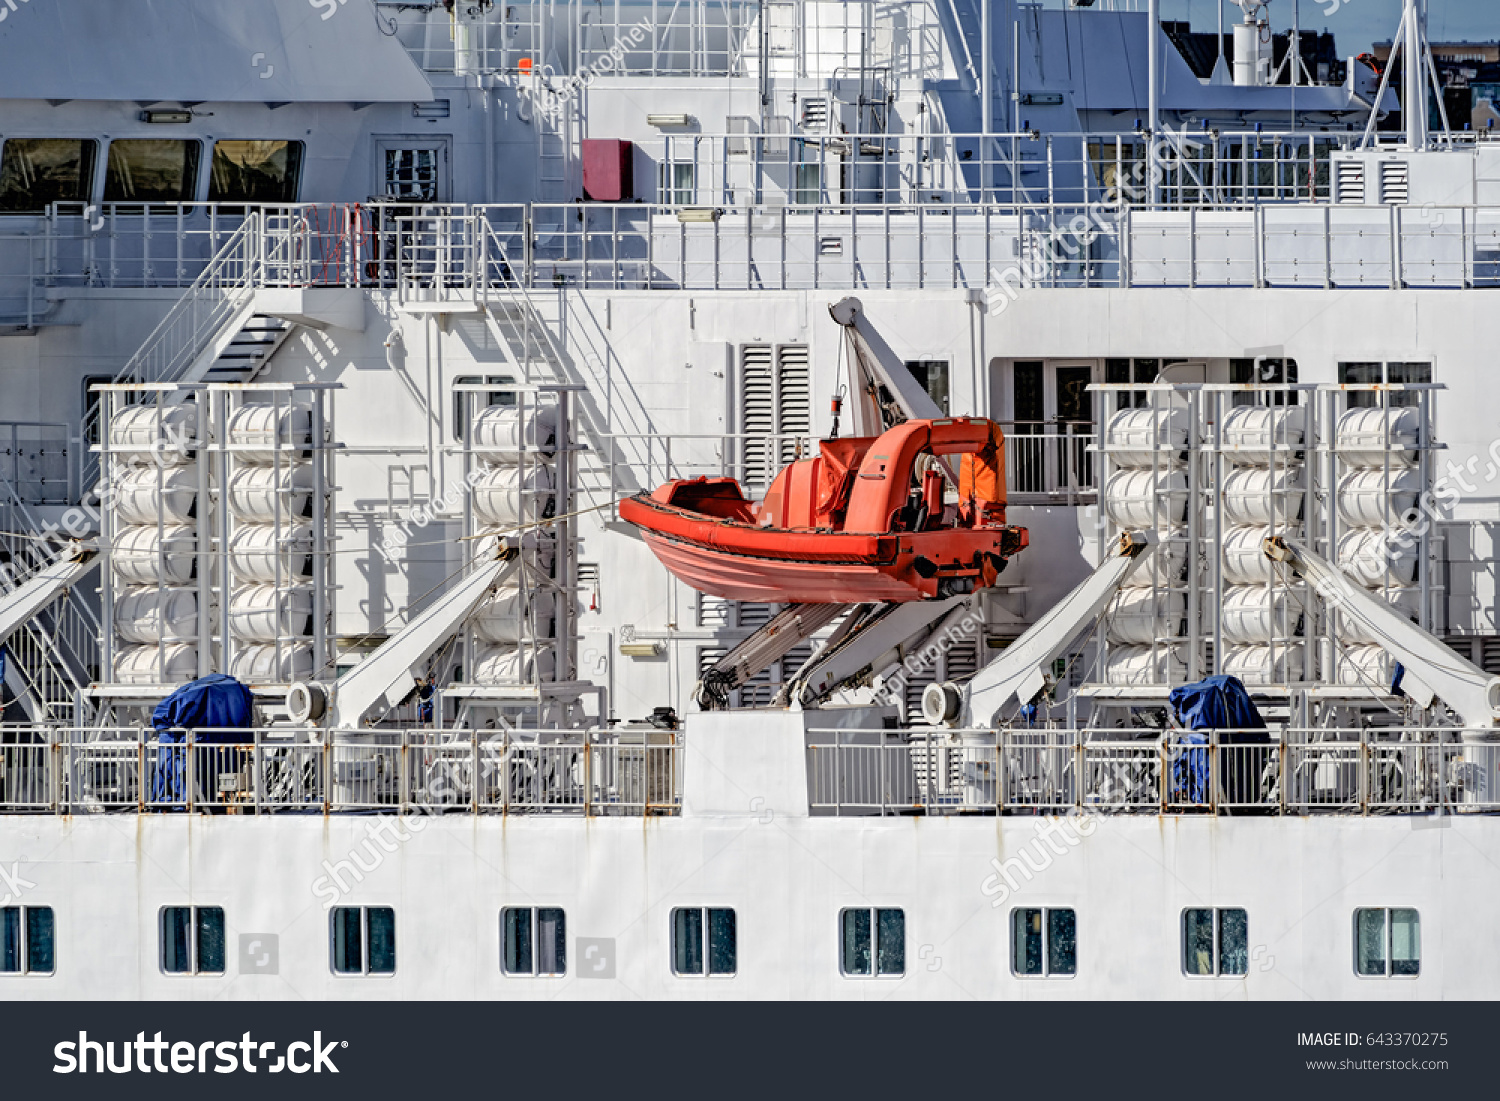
x=1043 y=942
x=704 y=941
x=534 y=940
x=363 y=940
x=872 y=942
x=192 y=940
x=27 y=940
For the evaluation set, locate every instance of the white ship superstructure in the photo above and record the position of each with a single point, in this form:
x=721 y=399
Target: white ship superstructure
x=332 y=336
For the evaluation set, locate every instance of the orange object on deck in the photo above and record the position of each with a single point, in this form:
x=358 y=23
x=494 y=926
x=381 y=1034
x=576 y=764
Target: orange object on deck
x=867 y=519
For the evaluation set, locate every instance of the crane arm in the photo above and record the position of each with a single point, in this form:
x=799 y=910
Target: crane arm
x=1019 y=670
x=385 y=674
x=1431 y=668
x=23 y=603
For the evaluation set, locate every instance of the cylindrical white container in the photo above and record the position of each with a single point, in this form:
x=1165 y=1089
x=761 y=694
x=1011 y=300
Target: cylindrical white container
x=1374 y=558
x=260 y=663
x=1405 y=602
x=253 y=492
x=271 y=434
x=167 y=435
x=1367 y=499
x=1141 y=616
x=1146 y=498
x=1364 y=666
x=504 y=664
x=1135 y=665
x=1362 y=438
x=175 y=663
x=149 y=493
x=1147 y=437
x=503 y=430
x=1166 y=566
x=511 y=615
x=1264 y=495
x=1256 y=614
x=144 y=556
x=511 y=495
x=157 y=615
x=1245 y=563
x=255 y=549
x=1279 y=664
x=1264 y=435
x=264 y=613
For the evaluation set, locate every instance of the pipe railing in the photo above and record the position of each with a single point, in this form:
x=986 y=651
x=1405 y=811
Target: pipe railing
x=1055 y=771
x=278 y=771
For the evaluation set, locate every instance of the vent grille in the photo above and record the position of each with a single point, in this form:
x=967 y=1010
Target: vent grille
x=1350 y=183
x=778 y=402
x=815 y=114
x=1395 y=182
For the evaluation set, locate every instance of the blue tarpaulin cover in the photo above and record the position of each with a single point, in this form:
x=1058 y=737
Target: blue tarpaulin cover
x=218 y=705
x=1215 y=703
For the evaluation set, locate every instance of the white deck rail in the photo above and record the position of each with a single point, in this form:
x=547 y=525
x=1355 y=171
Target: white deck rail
x=279 y=771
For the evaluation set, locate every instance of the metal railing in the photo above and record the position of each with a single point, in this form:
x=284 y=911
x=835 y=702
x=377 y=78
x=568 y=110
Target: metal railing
x=271 y=771
x=1220 y=772
x=443 y=253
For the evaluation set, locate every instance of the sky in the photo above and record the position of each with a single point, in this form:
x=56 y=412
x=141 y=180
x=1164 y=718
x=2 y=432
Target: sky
x=1355 y=24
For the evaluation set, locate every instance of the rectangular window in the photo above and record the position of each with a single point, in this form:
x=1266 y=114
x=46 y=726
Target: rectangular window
x=35 y=172
x=1131 y=370
x=1215 y=942
x=27 y=940
x=1387 y=942
x=681 y=184
x=192 y=940
x=932 y=375
x=872 y=939
x=151 y=170
x=255 y=172
x=1043 y=941
x=363 y=940
x=533 y=941
x=1384 y=374
x=809 y=185
x=690 y=954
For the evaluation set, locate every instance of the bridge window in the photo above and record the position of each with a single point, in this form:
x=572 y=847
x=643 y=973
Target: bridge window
x=704 y=941
x=151 y=170
x=534 y=941
x=27 y=940
x=35 y=172
x=1214 y=942
x=1387 y=942
x=192 y=940
x=363 y=940
x=872 y=942
x=1043 y=941
x=255 y=172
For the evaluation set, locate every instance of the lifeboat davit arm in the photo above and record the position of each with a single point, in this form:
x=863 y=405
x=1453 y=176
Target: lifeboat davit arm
x=1429 y=667
x=1019 y=670
x=386 y=674
x=23 y=603
x=875 y=638
x=872 y=364
x=789 y=627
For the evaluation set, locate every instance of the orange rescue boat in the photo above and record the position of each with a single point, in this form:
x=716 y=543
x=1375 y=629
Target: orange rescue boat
x=868 y=519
